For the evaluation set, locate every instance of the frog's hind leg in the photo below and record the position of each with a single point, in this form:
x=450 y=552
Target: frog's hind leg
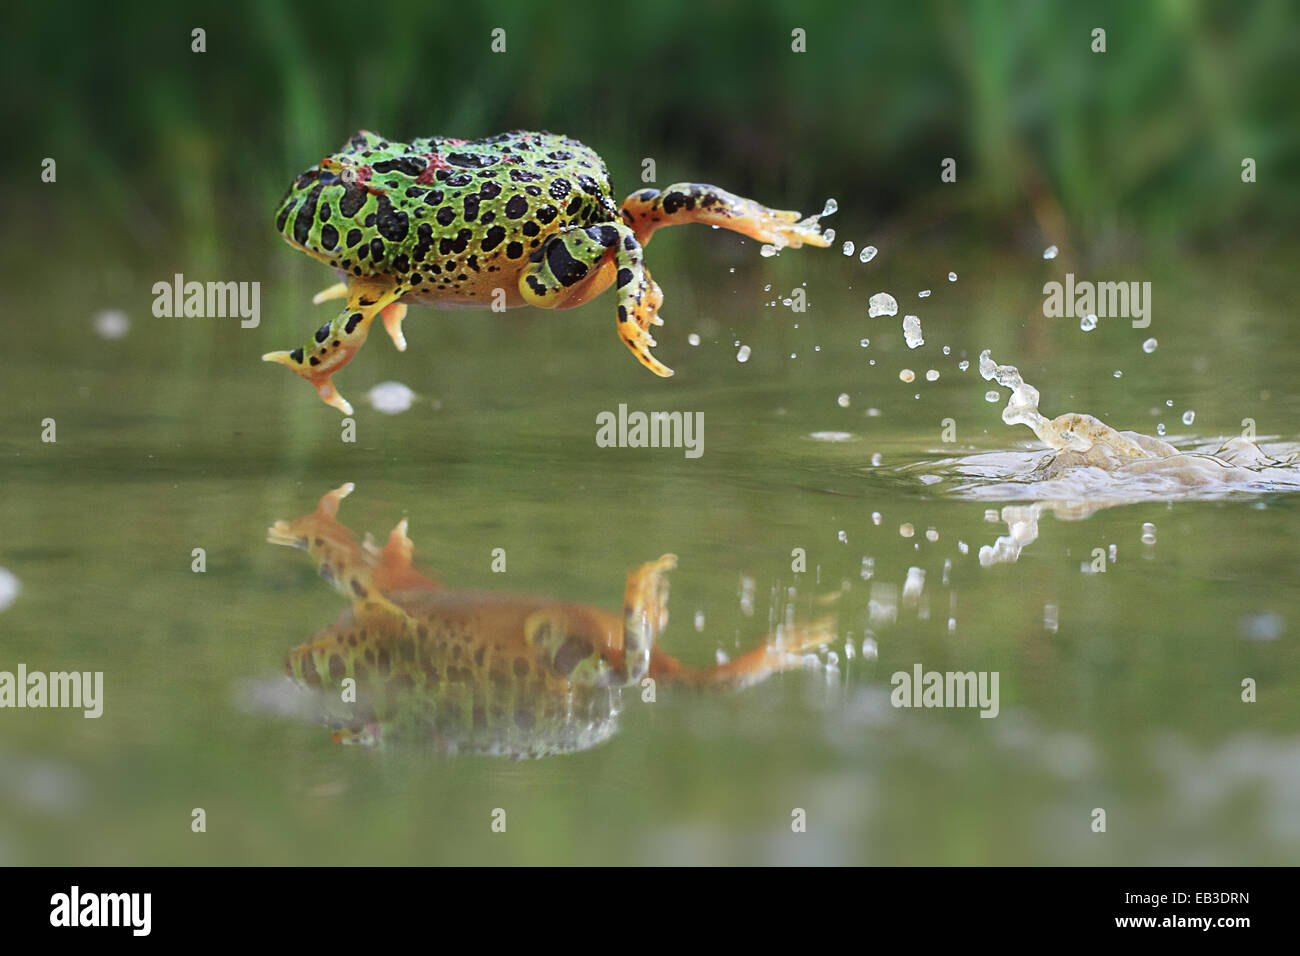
x=649 y=209
x=579 y=263
x=783 y=652
x=335 y=343
x=344 y=563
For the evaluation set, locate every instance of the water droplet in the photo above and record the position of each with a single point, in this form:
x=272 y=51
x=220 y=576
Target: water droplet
x=699 y=620
x=1088 y=322
x=867 y=254
x=112 y=324
x=693 y=339
x=767 y=252
x=991 y=396
x=952 y=277
x=1148 y=533
x=9 y=588
x=1160 y=429
x=906 y=375
x=830 y=208
x=912 y=331
x=946 y=350
x=876 y=460
x=1189 y=416
x=963 y=365
x=391 y=398
x=1149 y=346
x=1051 y=618
x=931 y=534
x=1050 y=252
x=743 y=354
x=829 y=236
x=865 y=342
x=932 y=375
x=1118 y=374
x=843 y=400
x=876 y=518
x=906 y=530
x=923 y=294
x=848 y=247
x=870 y=651
x=882 y=303
x=844 y=538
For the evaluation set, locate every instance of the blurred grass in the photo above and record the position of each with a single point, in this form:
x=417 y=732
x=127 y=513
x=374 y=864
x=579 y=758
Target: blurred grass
x=169 y=150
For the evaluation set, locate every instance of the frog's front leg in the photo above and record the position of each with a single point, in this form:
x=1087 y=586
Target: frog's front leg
x=649 y=209
x=362 y=575
x=577 y=264
x=392 y=315
x=334 y=343
x=577 y=645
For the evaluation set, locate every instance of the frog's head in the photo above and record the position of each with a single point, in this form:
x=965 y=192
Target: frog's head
x=323 y=200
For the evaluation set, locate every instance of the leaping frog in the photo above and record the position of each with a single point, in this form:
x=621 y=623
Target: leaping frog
x=522 y=218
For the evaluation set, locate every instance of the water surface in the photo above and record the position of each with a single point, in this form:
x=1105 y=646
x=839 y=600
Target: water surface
x=1119 y=689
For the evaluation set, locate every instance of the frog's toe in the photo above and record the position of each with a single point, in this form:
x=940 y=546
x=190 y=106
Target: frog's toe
x=392 y=317
x=784 y=227
x=641 y=342
x=321 y=381
x=330 y=396
x=338 y=290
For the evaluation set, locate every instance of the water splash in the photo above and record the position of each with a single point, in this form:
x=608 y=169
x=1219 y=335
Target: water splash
x=1090 y=462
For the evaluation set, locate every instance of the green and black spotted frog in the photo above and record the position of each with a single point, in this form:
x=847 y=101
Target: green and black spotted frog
x=522 y=218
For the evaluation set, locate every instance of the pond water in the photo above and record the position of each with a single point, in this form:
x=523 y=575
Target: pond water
x=1121 y=616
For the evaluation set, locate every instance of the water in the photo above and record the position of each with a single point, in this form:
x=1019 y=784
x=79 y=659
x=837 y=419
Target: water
x=1120 y=687
x=882 y=303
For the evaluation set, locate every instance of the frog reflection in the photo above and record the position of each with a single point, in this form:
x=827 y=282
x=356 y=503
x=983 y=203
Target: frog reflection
x=487 y=673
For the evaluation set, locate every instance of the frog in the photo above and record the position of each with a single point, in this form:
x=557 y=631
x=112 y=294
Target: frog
x=521 y=218
x=484 y=672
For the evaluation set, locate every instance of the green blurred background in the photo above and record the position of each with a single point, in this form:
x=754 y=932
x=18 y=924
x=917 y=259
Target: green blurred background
x=182 y=154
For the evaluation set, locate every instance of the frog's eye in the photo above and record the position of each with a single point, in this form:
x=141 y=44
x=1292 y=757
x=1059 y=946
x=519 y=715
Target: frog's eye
x=349 y=176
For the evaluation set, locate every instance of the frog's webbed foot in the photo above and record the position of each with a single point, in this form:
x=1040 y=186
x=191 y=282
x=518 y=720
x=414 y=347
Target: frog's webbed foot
x=335 y=343
x=580 y=263
x=354 y=572
x=649 y=209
